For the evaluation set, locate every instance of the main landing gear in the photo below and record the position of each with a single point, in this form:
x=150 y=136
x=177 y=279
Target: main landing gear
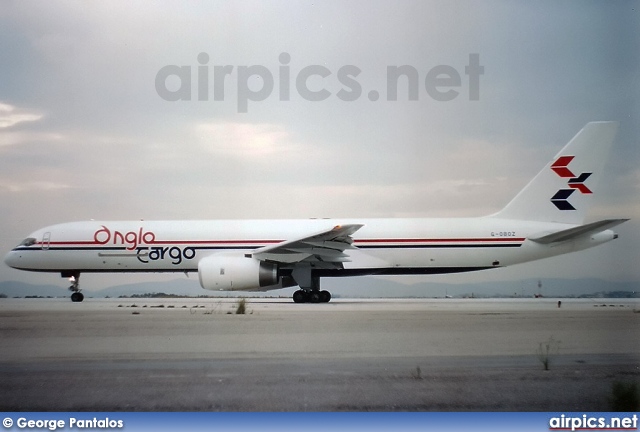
x=309 y=291
x=77 y=296
x=315 y=296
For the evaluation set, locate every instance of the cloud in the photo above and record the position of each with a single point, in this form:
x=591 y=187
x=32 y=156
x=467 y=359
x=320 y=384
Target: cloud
x=19 y=187
x=83 y=133
x=9 y=138
x=250 y=152
x=11 y=116
x=245 y=140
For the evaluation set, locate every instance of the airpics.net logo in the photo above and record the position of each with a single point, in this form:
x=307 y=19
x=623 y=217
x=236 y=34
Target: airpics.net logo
x=257 y=83
x=590 y=422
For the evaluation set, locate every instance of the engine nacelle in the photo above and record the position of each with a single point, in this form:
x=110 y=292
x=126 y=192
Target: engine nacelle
x=233 y=272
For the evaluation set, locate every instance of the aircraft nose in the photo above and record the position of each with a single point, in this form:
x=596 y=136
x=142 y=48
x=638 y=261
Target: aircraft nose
x=11 y=259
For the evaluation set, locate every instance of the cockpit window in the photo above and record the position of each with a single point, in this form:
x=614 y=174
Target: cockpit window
x=28 y=242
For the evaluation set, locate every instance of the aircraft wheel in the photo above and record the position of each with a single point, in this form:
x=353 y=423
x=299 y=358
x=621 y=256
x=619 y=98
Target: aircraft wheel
x=325 y=296
x=77 y=297
x=315 y=297
x=300 y=296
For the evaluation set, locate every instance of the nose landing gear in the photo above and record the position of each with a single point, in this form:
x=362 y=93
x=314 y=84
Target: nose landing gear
x=77 y=296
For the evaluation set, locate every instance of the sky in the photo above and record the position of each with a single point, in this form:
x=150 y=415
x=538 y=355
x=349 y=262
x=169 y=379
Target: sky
x=281 y=109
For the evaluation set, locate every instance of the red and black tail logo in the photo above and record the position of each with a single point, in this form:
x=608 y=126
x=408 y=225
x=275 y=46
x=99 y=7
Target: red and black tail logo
x=560 y=167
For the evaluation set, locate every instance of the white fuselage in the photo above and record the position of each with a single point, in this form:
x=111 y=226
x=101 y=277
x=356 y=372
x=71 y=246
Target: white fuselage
x=544 y=219
x=383 y=246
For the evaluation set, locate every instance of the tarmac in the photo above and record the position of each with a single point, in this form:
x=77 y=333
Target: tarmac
x=347 y=355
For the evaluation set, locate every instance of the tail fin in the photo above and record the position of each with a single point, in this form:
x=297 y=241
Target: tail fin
x=564 y=189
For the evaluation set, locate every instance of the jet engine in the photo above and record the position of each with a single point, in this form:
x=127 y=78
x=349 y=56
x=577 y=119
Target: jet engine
x=234 y=272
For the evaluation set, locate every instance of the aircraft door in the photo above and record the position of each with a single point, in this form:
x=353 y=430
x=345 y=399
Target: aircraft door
x=46 y=239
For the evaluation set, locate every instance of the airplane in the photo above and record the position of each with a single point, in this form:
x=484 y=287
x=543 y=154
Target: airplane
x=547 y=218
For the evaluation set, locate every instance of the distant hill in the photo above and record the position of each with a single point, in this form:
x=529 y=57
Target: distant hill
x=375 y=287
x=21 y=289
x=184 y=287
x=361 y=287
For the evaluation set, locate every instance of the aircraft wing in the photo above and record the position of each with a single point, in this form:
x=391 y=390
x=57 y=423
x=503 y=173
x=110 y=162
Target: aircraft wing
x=571 y=233
x=325 y=248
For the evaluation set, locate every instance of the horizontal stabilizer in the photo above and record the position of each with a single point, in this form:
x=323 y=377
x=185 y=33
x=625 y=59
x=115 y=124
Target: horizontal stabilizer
x=571 y=233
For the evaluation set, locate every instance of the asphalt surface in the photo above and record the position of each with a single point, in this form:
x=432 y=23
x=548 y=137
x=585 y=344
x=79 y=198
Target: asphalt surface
x=348 y=355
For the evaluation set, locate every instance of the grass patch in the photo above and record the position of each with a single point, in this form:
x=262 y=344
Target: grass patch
x=417 y=373
x=546 y=350
x=241 y=307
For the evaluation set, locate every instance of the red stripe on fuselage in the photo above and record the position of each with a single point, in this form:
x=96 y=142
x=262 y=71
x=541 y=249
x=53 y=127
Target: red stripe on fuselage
x=215 y=242
x=270 y=242
x=443 y=240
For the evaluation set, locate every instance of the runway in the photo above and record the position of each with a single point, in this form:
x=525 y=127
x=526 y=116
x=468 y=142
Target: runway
x=362 y=355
